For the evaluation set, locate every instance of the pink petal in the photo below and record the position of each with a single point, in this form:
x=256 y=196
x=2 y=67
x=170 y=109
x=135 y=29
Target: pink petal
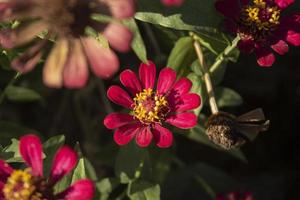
x=121 y=8
x=182 y=120
x=144 y=137
x=116 y=120
x=119 y=96
x=64 y=161
x=130 y=81
x=265 y=57
x=172 y=2
x=166 y=78
x=229 y=8
x=162 y=136
x=284 y=3
x=246 y=46
x=112 y=34
x=124 y=134
x=293 y=37
x=187 y=102
x=147 y=74
x=31 y=151
x=81 y=190
x=76 y=71
x=5 y=171
x=281 y=47
x=181 y=87
x=103 y=61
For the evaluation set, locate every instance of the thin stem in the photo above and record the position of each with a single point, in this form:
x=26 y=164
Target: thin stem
x=11 y=82
x=207 y=79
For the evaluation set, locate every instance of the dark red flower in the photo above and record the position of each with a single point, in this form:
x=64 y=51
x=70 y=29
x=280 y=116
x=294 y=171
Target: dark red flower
x=172 y=2
x=261 y=26
x=30 y=184
x=235 y=196
x=169 y=103
x=67 y=21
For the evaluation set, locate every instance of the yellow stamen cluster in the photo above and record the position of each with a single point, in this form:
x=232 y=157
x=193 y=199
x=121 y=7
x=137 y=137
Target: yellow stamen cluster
x=19 y=185
x=252 y=15
x=150 y=107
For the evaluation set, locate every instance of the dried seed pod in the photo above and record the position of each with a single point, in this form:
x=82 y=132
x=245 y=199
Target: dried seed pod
x=229 y=131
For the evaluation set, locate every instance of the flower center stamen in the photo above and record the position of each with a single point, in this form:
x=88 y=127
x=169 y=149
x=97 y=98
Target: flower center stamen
x=150 y=107
x=259 y=19
x=19 y=185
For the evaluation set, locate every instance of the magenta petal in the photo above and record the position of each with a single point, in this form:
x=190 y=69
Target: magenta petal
x=162 y=136
x=187 y=102
x=182 y=120
x=104 y=62
x=181 y=87
x=64 y=161
x=113 y=32
x=5 y=171
x=229 y=8
x=144 y=137
x=246 y=46
x=130 y=81
x=172 y=2
x=121 y=8
x=81 y=190
x=116 y=120
x=31 y=151
x=166 y=78
x=265 y=57
x=124 y=134
x=293 y=37
x=147 y=74
x=119 y=96
x=284 y=3
x=281 y=47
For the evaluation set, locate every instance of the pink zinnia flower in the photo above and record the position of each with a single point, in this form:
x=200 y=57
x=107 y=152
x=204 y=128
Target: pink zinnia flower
x=261 y=26
x=235 y=196
x=172 y=2
x=31 y=184
x=151 y=107
x=66 y=21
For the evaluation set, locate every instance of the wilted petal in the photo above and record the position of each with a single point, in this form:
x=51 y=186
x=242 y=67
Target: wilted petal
x=182 y=120
x=54 y=66
x=119 y=36
x=119 y=96
x=265 y=57
x=124 y=134
x=121 y=8
x=81 y=190
x=31 y=151
x=246 y=46
x=29 y=59
x=130 y=81
x=166 y=78
x=103 y=61
x=144 y=137
x=5 y=171
x=162 y=136
x=21 y=35
x=147 y=74
x=76 y=71
x=116 y=120
x=64 y=161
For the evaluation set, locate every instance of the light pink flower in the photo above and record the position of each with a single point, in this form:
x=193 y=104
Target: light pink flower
x=31 y=183
x=172 y=2
x=151 y=106
x=74 y=50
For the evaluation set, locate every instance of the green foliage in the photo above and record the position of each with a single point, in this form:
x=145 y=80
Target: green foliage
x=21 y=94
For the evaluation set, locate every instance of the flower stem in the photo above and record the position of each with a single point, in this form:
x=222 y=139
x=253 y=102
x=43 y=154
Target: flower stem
x=207 y=79
x=11 y=82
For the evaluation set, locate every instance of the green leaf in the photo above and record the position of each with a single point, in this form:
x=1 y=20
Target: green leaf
x=198 y=88
x=182 y=56
x=192 y=15
x=142 y=190
x=131 y=162
x=227 y=97
x=20 y=94
x=11 y=153
x=106 y=187
x=137 y=44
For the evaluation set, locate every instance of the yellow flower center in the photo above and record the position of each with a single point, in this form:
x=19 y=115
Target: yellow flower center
x=150 y=107
x=260 y=18
x=19 y=185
